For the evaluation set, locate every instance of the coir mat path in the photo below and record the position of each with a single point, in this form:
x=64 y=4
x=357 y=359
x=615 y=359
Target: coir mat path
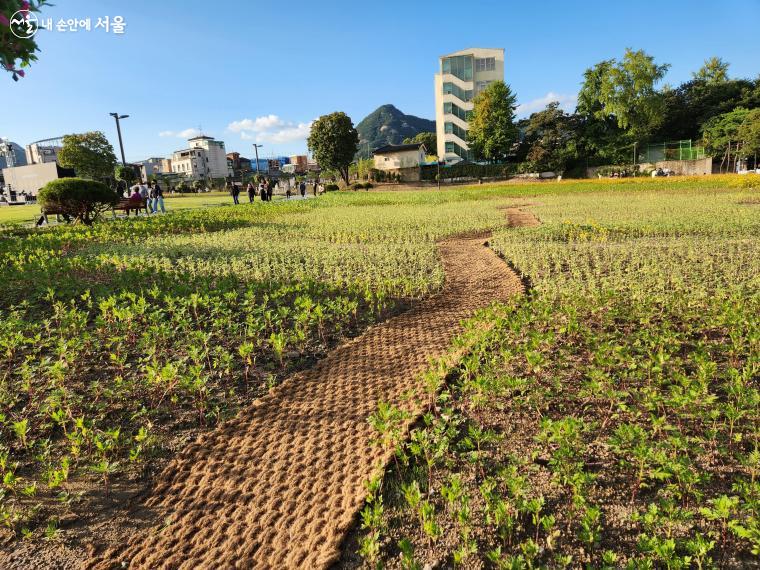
x=279 y=485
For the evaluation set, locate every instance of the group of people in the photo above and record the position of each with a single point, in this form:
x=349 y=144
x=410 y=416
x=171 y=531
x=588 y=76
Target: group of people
x=264 y=190
x=153 y=196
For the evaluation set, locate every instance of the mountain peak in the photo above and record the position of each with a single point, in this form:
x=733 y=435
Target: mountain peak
x=389 y=125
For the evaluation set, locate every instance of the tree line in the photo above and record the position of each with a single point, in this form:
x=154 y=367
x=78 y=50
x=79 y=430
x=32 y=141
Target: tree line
x=621 y=107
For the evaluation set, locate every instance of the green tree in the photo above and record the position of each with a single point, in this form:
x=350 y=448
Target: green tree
x=333 y=140
x=749 y=135
x=83 y=200
x=492 y=130
x=626 y=91
x=550 y=136
x=428 y=139
x=720 y=135
x=17 y=53
x=89 y=154
x=693 y=103
x=126 y=175
x=714 y=70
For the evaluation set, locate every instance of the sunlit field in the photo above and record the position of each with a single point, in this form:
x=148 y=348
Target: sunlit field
x=609 y=417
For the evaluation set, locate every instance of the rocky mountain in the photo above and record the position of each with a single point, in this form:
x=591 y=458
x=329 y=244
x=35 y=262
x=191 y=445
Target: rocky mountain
x=387 y=125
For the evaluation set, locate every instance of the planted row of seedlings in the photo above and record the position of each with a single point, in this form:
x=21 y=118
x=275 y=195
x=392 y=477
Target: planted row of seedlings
x=121 y=342
x=609 y=419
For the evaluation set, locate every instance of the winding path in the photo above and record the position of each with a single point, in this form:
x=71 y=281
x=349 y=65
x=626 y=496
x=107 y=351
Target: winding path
x=279 y=485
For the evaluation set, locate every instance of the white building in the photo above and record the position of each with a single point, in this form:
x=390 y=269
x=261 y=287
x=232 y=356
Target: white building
x=154 y=165
x=462 y=75
x=402 y=159
x=216 y=155
x=43 y=151
x=191 y=163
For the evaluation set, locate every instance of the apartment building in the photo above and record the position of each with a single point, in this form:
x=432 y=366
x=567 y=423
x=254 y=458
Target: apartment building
x=461 y=76
x=216 y=156
x=191 y=163
x=154 y=165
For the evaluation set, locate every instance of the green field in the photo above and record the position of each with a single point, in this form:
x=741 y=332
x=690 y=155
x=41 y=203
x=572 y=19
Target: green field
x=29 y=214
x=610 y=417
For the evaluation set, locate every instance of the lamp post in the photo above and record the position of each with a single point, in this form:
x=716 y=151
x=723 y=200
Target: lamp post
x=256 y=148
x=118 y=130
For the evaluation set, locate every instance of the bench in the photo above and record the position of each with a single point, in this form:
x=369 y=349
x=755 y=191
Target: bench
x=127 y=204
x=124 y=204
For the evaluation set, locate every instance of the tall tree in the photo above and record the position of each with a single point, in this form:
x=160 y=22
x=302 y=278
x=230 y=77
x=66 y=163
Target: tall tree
x=714 y=70
x=749 y=135
x=693 y=103
x=720 y=135
x=333 y=140
x=493 y=132
x=89 y=154
x=626 y=91
x=550 y=135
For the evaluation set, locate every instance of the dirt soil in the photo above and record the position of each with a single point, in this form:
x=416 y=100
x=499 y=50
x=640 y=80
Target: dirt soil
x=279 y=485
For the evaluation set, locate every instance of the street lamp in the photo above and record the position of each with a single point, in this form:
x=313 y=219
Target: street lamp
x=118 y=130
x=256 y=148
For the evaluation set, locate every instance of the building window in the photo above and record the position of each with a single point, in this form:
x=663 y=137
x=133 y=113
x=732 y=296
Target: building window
x=459 y=66
x=485 y=64
x=451 y=89
x=451 y=109
x=453 y=129
x=480 y=85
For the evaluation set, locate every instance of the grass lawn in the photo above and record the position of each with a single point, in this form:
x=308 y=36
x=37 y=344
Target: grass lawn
x=10 y=215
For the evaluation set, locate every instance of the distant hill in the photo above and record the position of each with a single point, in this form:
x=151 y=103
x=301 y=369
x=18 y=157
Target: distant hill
x=388 y=125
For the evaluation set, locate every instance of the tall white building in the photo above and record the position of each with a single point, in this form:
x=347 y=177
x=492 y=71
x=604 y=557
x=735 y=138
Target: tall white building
x=216 y=155
x=462 y=75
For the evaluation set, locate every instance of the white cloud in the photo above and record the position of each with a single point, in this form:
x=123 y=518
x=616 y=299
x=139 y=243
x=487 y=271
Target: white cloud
x=186 y=134
x=259 y=124
x=566 y=103
x=271 y=129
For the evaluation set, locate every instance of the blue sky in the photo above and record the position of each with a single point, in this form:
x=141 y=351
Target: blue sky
x=255 y=70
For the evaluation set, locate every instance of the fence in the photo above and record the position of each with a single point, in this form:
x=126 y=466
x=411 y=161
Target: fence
x=672 y=150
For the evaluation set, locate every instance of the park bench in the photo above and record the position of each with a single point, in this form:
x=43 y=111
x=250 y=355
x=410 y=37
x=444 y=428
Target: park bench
x=123 y=204
x=127 y=204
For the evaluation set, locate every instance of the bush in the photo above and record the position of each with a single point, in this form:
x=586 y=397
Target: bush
x=331 y=187
x=468 y=170
x=83 y=200
x=368 y=185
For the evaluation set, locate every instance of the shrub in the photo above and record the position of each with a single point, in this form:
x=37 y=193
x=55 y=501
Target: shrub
x=83 y=200
x=331 y=187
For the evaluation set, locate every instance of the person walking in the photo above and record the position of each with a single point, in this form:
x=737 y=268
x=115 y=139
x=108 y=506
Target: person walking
x=251 y=192
x=158 y=198
x=262 y=191
x=287 y=192
x=302 y=188
x=234 y=192
x=269 y=190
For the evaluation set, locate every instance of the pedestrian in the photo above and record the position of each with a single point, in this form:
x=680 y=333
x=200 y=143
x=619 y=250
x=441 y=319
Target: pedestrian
x=251 y=192
x=135 y=201
x=158 y=198
x=234 y=192
x=144 y=195
x=269 y=190
x=315 y=188
x=152 y=202
x=302 y=188
x=288 y=192
x=262 y=191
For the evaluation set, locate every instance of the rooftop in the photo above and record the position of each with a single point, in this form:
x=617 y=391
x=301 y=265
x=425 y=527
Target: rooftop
x=390 y=148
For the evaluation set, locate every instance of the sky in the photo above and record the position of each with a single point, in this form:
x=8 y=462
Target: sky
x=259 y=71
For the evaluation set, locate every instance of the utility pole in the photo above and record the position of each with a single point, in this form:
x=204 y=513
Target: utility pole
x=634 y=153
x=118 y=130
x=256 y=150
